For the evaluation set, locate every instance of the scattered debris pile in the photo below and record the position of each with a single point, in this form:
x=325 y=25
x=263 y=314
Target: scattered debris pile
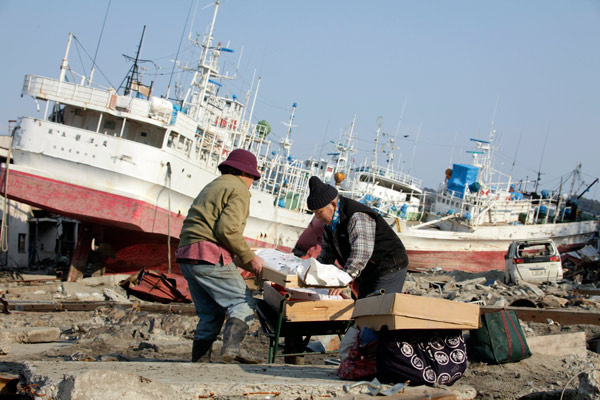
x=489 y=290
x=125 y=330
x=127 y=324
x=582 y=266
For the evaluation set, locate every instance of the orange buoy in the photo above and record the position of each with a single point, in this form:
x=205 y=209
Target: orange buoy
x=339 y=177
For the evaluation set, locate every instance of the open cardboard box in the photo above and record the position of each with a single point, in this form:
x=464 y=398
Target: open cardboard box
x=404 y=311
x=308 y=310
x=281 y=278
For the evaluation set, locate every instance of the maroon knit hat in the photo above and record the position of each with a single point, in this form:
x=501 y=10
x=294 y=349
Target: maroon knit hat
x=242 y=160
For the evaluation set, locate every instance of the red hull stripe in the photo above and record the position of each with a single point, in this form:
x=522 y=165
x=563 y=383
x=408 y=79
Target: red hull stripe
x=135 y=249
x=90 y=205
x=469 y=261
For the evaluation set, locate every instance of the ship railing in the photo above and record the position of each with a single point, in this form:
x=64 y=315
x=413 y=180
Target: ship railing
x=391 y=175
x=508 y=210
x=184 y=124
x=61 y=91
x=287 y=182
x=390 y=205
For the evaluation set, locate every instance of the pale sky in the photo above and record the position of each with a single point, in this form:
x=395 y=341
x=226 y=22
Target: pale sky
x=450 y=61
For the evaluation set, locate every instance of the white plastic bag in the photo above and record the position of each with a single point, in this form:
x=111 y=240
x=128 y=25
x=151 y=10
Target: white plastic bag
x=309 y=271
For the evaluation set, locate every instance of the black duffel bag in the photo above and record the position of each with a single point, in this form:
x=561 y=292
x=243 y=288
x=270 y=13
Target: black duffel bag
x=423 y=357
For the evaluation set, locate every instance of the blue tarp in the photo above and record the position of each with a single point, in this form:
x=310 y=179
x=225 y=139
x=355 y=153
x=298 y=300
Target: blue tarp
x=462 y=174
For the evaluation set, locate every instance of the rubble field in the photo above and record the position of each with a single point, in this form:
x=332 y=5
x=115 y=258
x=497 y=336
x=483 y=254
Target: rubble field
x=122 y=333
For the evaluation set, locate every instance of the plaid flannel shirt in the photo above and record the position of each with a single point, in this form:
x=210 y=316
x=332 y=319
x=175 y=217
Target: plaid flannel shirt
x=361 y=235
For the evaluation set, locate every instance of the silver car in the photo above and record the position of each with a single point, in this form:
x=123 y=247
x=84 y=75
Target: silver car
x=533 y=261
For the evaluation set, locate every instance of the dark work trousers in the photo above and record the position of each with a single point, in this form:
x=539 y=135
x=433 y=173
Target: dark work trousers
x=391 y=282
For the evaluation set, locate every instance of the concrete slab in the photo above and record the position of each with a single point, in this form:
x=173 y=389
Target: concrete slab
x=30 y=335
x=20 y=351
x=167 y=380
x=107 y=280
x=559 y=345
x=76 y=291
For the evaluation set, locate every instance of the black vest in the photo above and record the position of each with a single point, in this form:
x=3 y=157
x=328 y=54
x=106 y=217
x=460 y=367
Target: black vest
x=388 y=254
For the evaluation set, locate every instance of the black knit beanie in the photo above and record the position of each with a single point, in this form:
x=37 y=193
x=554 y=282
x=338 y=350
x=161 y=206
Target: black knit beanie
x=320 y=194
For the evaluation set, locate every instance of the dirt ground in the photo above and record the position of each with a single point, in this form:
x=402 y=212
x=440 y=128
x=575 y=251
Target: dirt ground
x=129 y=335
x=118 y=335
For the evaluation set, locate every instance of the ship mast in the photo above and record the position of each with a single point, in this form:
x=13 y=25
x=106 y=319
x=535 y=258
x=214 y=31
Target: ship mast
x=286 y=143
x=134 y=75
x=207 y=68
x=64 y=65
x=375 y=150
x=344 y=150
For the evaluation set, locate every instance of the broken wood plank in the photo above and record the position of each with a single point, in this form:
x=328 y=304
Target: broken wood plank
x=562 y=316
x=33 y=282
x=591 y=292
x=559 y=345
x=92 y=305
x=80 y=254
x=410 y=393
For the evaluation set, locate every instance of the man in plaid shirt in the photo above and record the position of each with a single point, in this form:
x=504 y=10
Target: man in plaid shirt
x=359 y=239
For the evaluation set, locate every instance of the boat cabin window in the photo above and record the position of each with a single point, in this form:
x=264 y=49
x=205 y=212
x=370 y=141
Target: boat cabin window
x=198 y=142
x=181 y=142
x=172 y=139
x=109 y=125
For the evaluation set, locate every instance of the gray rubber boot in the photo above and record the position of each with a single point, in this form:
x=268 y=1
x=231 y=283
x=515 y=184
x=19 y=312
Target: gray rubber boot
x=201 y=350
x=233 y=334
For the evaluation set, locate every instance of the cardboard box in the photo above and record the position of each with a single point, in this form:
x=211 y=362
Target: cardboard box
x=281 y=278
x=309 y=310
x=404 y=311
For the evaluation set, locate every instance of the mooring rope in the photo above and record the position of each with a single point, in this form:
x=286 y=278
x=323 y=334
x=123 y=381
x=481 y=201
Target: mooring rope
x=169 y=215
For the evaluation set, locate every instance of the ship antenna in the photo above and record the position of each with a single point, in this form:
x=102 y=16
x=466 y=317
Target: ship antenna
x=391 y=162
x=401 y=117
x=414 y=148
x=376 y=149
x=193 y=19
x=539 y=173
x=516 y=151
x=576 y=176
x=452 y=151
x=98 y=45
x=323 y=142
x=179 y=48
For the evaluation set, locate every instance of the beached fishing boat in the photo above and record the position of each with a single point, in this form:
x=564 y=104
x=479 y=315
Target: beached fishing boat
x=128 y=163
x=478 y=212
x=393 y=193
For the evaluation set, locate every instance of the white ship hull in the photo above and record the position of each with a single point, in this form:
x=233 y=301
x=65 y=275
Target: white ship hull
x=121 y=179
x=484 y=247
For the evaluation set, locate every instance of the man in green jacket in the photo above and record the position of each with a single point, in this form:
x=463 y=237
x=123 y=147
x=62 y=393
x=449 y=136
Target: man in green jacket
x=211 y=244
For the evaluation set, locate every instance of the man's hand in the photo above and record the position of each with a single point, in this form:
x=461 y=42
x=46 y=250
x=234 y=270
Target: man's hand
x=256 y=265
x=336 y=291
